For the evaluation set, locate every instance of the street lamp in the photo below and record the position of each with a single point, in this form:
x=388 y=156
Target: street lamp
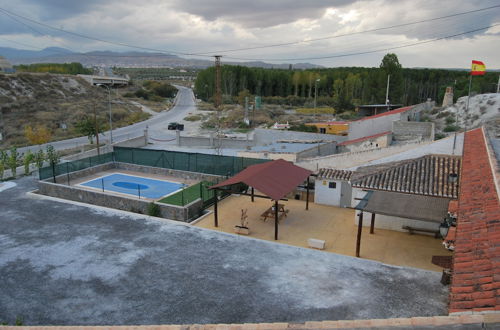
x=315 y=95
x=109 y=105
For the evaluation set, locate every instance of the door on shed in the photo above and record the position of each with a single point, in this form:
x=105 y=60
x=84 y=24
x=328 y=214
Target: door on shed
x=345 y=194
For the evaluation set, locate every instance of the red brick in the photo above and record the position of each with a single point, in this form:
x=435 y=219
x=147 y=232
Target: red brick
x=485 y=302
x=483 y=295
x=462 y=289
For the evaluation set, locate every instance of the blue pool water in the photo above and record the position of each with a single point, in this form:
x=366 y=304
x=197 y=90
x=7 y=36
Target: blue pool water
x=133 y=185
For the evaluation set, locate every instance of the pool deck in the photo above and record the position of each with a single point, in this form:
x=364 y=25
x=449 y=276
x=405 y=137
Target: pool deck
x=334 y=225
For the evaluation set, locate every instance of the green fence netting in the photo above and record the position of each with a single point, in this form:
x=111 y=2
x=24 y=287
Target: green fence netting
x=73 y=166
x=183 y=161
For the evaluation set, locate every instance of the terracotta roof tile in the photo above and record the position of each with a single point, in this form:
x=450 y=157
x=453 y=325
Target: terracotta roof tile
x=387 y=113
x=476 y=263
x=427 y=175
x=329 y=173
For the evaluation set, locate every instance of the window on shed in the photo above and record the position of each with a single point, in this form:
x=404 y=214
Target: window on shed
x=332 y=185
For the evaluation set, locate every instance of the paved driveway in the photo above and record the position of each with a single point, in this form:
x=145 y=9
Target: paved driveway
x=67 y=264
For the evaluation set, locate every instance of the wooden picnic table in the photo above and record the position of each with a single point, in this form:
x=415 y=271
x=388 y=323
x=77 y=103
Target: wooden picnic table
x=270 y=213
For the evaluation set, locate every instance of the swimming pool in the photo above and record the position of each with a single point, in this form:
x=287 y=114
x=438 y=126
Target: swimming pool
x=134 y=185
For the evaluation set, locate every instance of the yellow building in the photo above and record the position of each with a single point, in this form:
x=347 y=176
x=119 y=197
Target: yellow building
x=331 y=127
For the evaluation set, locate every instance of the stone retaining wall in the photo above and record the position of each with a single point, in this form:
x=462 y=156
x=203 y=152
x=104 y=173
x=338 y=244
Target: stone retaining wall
x=62 y=189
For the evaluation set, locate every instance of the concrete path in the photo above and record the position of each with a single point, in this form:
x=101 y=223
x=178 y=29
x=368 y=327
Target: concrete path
x=63 y=264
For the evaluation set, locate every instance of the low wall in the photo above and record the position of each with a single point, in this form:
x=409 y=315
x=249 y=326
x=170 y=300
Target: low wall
x=351 y=159
x=91 y=153
x=371 y=126
x=137 y=142
x=212 y=142
x=319 y=150
x=62 y=189
x=411 y=130
x=77 y=194
x=368 y=144
x=263 y=136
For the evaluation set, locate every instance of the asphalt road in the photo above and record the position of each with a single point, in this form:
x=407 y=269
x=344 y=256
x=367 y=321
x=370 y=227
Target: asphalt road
x=64 y=264
x=157 y=125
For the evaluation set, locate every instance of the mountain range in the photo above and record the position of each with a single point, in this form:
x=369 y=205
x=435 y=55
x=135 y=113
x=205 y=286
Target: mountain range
x=124 y=59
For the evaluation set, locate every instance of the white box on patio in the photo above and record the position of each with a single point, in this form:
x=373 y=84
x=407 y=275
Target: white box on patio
x=316 y=243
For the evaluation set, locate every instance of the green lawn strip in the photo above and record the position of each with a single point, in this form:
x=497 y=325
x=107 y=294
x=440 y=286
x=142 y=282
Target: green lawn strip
x=188 y=195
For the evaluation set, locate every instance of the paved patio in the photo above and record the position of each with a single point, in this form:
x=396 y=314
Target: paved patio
x=334 y=225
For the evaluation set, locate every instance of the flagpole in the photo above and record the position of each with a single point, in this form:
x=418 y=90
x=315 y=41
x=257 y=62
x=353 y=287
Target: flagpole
x=468 y=98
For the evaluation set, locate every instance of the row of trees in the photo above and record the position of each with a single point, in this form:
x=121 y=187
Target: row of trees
x=61 y=68
x=11 y=159
x=343 y=87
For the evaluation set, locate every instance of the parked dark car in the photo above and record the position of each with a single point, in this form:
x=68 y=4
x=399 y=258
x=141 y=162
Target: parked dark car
x=175 y=126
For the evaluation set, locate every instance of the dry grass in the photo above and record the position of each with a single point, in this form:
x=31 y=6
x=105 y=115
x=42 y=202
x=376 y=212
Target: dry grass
x=52 y=100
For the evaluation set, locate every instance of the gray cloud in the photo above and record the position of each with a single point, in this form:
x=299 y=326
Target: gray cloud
x=258 y=13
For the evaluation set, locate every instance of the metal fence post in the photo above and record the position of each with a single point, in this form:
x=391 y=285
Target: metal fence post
x=67 y=171
x=139 y=190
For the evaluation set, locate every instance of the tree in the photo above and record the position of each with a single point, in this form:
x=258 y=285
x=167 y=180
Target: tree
x=39 y=158
x=3 y=163
x=87 y=127
x=391 y=66
x=27 y=160
x=38 y=135
x=13 y=161
x=53 y=155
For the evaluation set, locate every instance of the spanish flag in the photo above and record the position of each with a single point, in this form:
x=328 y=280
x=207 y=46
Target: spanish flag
x=478 y=68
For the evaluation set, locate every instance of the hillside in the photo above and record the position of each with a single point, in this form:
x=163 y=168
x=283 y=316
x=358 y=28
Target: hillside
x=484 y=109
x=125 y=59
x=57 y=102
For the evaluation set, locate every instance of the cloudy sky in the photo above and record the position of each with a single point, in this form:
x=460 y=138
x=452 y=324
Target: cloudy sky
x=225 y=27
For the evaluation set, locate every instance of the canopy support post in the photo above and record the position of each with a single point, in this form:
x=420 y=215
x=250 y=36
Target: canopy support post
x=276 y=220
x=360 y=228
x=372 y=225
x=252 y=195
x=307 y=194
x=216 y=219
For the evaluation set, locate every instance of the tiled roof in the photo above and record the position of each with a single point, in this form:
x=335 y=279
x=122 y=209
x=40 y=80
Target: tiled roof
x=329 y=173
x=475 y=282
x=427 y=175
x=330 y=123
x=364 y=138
x=392 y=112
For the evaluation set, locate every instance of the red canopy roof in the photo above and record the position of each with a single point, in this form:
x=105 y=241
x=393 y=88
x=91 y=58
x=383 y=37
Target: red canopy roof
x=275 y=179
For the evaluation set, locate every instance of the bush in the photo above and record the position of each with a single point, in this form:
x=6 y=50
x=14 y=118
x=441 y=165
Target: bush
x=450 y=120
x=303 y=128
x=193 y=118
x=443 y=114
x=439 y=136
x=451 y=128
x=154 y=210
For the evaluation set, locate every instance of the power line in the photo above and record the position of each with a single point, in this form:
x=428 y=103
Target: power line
x=7 y=12
x=206 y=54
x=348 y=34
x=364 y=52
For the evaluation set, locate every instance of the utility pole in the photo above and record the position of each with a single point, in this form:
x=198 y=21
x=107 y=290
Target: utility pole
x=387 y=91
x=96 y=129
x=218 y=94
x=218 y=103
x=315 y=95
x=498 y=85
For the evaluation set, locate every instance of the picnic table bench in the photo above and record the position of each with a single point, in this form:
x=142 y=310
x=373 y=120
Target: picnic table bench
x=422 y=230
x=270 y=213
